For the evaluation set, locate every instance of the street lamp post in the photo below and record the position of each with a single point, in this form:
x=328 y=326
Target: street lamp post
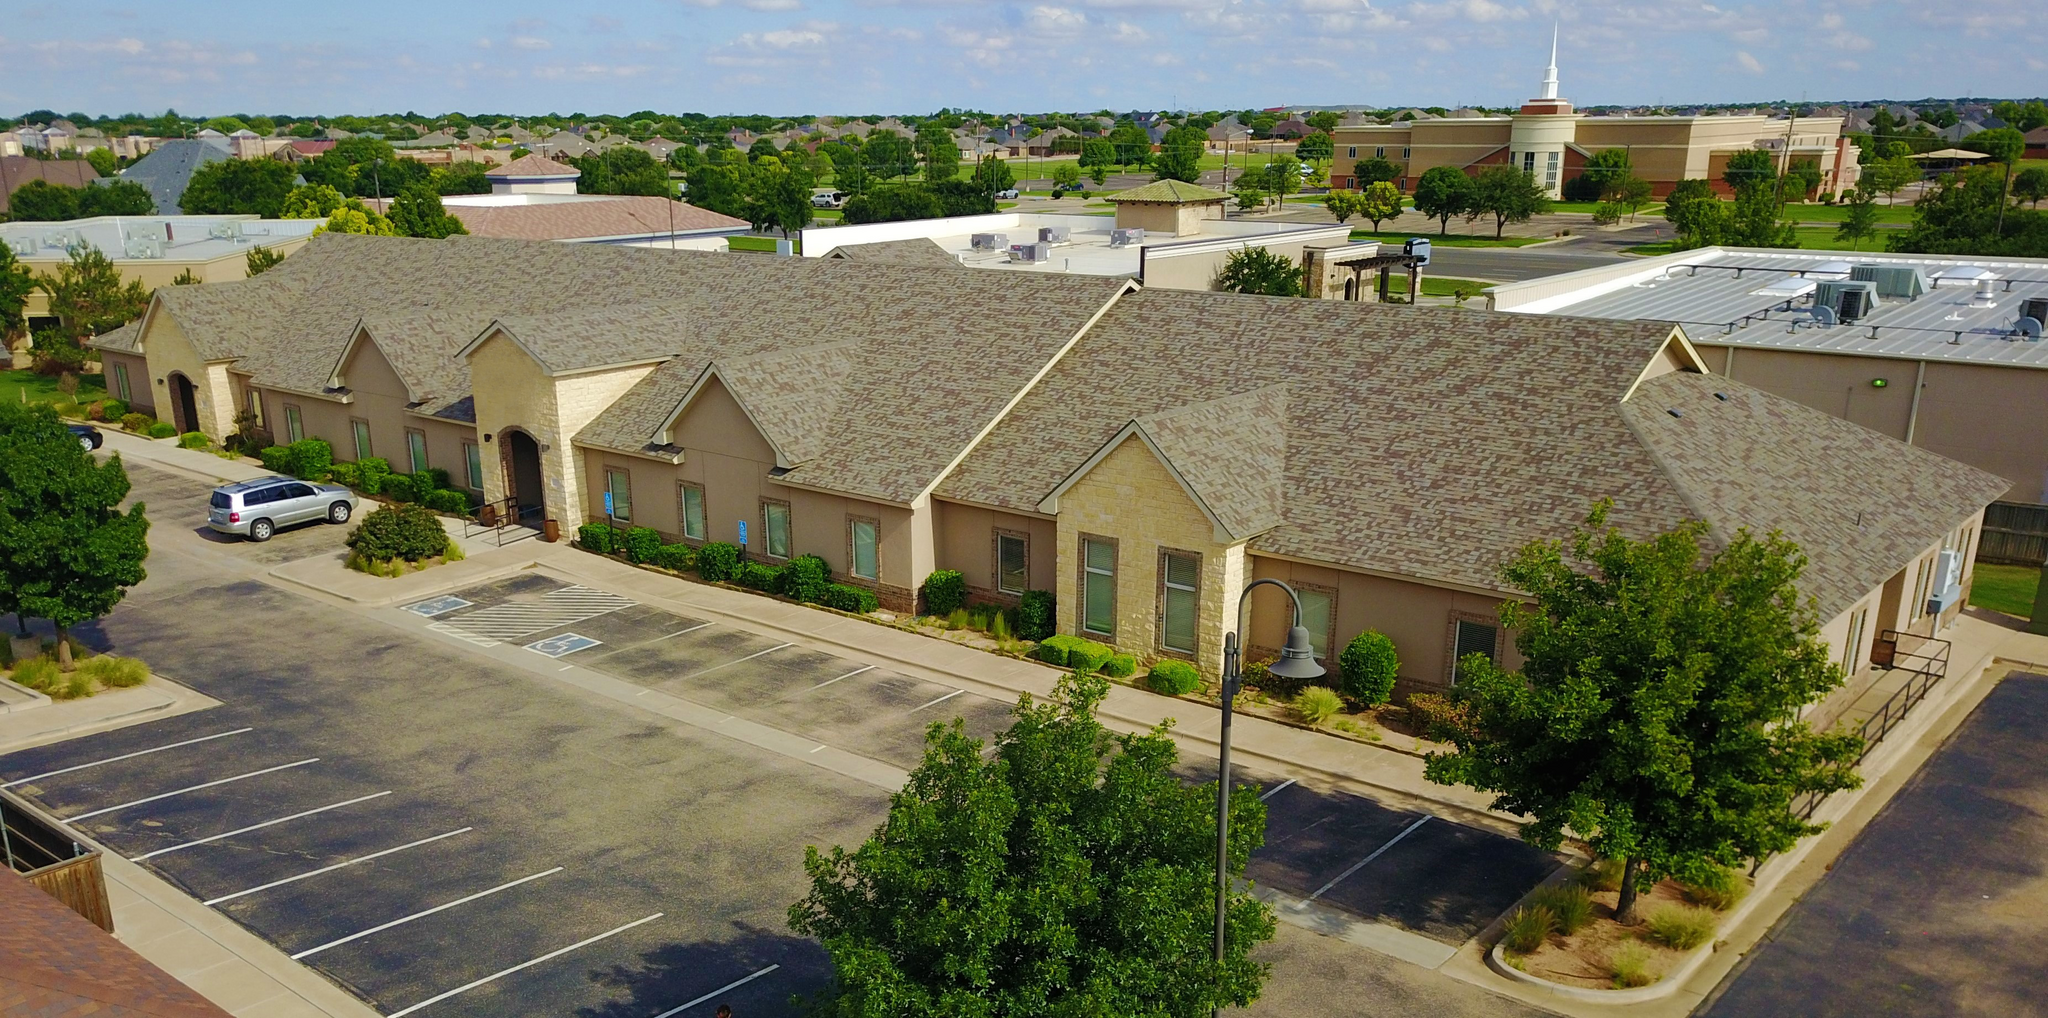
x=1297 y=661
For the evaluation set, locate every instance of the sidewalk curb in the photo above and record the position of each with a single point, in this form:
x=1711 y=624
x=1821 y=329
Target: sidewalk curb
x=402 y=596
x=181 y=699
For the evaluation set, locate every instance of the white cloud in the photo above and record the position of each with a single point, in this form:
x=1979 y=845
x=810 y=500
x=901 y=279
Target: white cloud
x=530 y=42
x=772 y=5
x=1051 y=20
x=1748 y=63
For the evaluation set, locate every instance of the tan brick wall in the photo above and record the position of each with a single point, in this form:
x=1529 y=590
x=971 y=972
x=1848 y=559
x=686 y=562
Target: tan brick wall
x=1131 y=497
x=168 y=351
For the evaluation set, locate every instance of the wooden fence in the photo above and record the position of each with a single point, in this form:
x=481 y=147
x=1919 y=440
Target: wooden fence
x=55 y=859
x=2015 y=533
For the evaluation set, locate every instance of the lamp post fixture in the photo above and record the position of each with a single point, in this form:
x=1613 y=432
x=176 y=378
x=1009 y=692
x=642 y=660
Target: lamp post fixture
x=1297 y=661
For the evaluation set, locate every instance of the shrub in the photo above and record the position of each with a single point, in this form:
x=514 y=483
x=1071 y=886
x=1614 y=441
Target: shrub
x=38 y=673
x=113 y=410
x=1437 y=716
x=1367 y=668
x=399 y=488
x=135 y=422
x=446 y=501
x=1052 y=650
x=597 y=537
x=1569 y=903
x=1602 y=875
x=194 y=440
x=1317 y=704
x=1119 y=666
x=371 y=472
x=958 y=619
x=1681 y=926
x=348 y=474
x=310 y=459
x=275 y=459
x=114 y=672
x=945 y=592
x=409 y=532
x=640 y=544
x=162 y=429
x=430 y=479
x=1629 y=964
x=849 y=598
x=806 y=577
x=1527 y=928
x=1088 y=656
x=1037 y=615
x=999 y=630
x=1719 y=889
x=77 y=684
x=675 y=557
x=1174 y=678
x=757 y=576
x=1607 y=213
x=718 y=561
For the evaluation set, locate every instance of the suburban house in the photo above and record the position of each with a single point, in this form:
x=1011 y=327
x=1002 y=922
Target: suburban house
x=1942 y=352
x=1164 y=234
x=534 y=198
x=1551 y=142
x=1142 y=452
x=169 y=167
x=16 y=170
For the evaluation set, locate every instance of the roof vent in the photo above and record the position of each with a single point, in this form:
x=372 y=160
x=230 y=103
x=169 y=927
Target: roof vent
x=1674 y=412
x=1722 y=396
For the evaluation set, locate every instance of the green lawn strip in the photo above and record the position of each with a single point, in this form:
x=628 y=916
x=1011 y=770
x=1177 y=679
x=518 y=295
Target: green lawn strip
x=1901 y=215
x=760 y=244
x=1587 y=207
x=1434 y=286
x=1451 y=240
x=2008 y=589
x=26 y=386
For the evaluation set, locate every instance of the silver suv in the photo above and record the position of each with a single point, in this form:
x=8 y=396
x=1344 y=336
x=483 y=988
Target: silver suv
x=257 y=508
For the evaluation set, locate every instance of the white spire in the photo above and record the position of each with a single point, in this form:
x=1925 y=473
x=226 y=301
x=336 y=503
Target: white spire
x=1550 y=73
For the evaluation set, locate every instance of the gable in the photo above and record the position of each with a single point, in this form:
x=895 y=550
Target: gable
x=364 y=368
x=714 y=422
x=1131 y=480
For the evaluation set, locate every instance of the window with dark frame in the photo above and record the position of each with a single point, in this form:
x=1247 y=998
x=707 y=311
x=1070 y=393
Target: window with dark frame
x=1473 y=638
x=362 y=435
x=1317 y=607
x=1179 y=600
x=1098 y=581
x=1013 y=563
x=121 y=383
x=473 y=461
x=775 y=527
x=690 y=509
x=864 y=537
x=619 y=484
x=416 y=448
x=294 y=428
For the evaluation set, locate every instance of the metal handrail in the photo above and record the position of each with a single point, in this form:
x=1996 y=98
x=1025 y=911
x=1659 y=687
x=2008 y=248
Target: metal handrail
x=1928 y=666
x=508 y=514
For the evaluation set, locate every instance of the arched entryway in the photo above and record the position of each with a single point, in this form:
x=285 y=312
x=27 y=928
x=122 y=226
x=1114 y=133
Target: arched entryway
x=184 y=404
x=523 y=476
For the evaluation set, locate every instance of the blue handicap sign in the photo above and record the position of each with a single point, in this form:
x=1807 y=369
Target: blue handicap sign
x=608 y=503
x=566 y=643
x=743 y=531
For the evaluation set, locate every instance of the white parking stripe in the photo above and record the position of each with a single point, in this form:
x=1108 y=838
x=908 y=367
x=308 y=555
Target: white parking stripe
x=727 y=988
x=679 y=632
x=848 y=675
x=254 y=827
x=515 y=620
x=502 y=973
x=735 y=661
x=1360 y=864
x=340 y=865
x=1275 y=790
x=124 y=756
x=936 y=702
x=191 y=788
x=423 y=914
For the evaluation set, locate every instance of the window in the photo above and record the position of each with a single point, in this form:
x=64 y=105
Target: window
x=362 y=431
x=1098 y=585
x=256 y=405
x=1471 y=636
x=1529 y=163
x=863 y=535
x=690 y=509
x=1379 y=152
x=473 y=460
x=416 y=448
x=294 y=491
x=1921 y=579
x=1315 y=616
x=1851 y=650
x=1550 y=169
x=294 y=428
x=775 y=521
x=1351 y=152
x=1179 y=598
x=121 y=383
x=618 y=490
x=1404 y=153
x=1013 y=562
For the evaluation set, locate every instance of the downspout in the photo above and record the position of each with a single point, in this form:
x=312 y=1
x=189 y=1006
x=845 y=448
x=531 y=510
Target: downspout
x=1913 y=416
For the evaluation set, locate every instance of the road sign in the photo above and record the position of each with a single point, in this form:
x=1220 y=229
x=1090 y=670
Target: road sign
x=607 y=503
x=743 y=531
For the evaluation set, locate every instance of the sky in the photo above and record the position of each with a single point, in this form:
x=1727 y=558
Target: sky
x=851 y=57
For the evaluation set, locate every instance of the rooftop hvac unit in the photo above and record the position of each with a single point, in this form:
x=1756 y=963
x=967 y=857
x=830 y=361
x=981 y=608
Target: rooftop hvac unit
x=1849 y=299
x=2035 y=308
x=1033 y=253
x=1126 y=237
x=143 y=247
x=1054 y=234
x=221 y=231
x=988 y=242
x=1892 y=280
x=23 y=246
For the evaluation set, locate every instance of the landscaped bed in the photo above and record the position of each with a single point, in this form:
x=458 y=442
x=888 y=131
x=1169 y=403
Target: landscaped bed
x=1566 y=933
x=91 y=673
x=399 y=539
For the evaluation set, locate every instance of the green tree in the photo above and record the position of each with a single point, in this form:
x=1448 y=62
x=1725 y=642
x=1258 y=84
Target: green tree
x=262 y=260
x=716 y=186
x=1342 y=205
x=238 y=187
x=2031 y=185
x=1250 y=190
x=992 y=174
x=1257 y=270
x=417 y=212
x=1605 y=170
x=1749 y=167
x=1071 y=874
x=310 y=201
x=17 y=283
x=762 y=148
x=941 y=154
x=888 y=155
x=777 y=197
x=1443 y=192
x=89 y=297
x=68 y=553
x=1180 y=155
x=1373 y=170
x=39 y=201
x=622 y=170
x=1380 y=201
x=2022 y=116
x=1656 y=714
x=1965 y=214
x=1509 y=195
x=1887 y=176
x=1066 y=176
x=1860 y=224
x=1756 y=219
x=1696 y=213
x=1314 y=146
x=462 y=178
x=355 y=217
x=2005 y=146
x=104 y=161
x=1325 y=121
x=1133 y=146
x=226 y=125
x=888 y=203
x=115 y=198
x=1802 y=179
x=1097 y=153
x=1631 y=192
x=1282 y=177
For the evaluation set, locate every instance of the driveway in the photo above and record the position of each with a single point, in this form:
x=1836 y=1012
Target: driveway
x=1935 y=909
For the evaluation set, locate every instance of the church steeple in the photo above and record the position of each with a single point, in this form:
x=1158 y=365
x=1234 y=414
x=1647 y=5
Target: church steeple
x=1550 y=73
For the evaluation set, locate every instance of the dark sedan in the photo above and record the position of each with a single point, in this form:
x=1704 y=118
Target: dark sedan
x=87 y=435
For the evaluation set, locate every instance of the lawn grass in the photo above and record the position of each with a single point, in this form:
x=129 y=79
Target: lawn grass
x=1811 y=238
x=1451 y=240
x=761 y=244
x=26 y=386
x=2008 y=589
x=1587 y=207
x=1899 y=214
x=1436 y=286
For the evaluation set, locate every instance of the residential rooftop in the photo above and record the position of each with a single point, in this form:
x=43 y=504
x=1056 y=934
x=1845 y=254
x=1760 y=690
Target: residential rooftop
x=153 y=238
x=1090 y=248
x=1969 y=310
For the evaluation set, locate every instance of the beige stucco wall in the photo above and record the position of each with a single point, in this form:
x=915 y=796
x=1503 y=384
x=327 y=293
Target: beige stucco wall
x=1164 y=218
x=142 y=395
x=168 y=351
x=966 y=541
x=1129 y=497
x=512 y=391
x=1198 y=270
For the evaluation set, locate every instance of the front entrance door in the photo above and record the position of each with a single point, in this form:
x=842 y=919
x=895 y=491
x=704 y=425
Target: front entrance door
x=184 y=405
x=523 y=477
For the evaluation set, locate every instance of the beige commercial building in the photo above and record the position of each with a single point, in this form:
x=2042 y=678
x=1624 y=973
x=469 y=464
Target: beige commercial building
x=1141 y=452
x=1551 y=141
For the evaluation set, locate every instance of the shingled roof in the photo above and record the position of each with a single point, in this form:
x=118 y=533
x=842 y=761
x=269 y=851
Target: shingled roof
x=1433 y=442
x=54 y=964
x=1171 y=192
x=915 y=251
